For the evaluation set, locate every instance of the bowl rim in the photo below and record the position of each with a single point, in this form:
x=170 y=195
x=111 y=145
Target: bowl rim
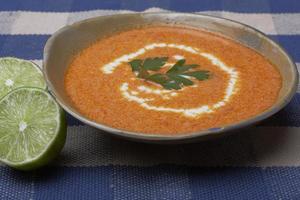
x=184 y=137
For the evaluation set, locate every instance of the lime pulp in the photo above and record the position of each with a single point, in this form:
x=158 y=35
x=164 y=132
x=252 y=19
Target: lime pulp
x=17 y=73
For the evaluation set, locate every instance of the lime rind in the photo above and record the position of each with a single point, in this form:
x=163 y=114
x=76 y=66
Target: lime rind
x=15 y=111
x=17 y=73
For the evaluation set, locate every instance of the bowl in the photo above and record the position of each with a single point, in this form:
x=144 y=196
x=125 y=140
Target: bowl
x=71 y=39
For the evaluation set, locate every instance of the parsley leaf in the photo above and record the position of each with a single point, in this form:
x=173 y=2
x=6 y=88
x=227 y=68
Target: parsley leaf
x=143 y=73
x=175 y=78
x=179 y=67
x=154 y=64
x=158 y=78
x=136 y=65
x=171 y=85
x=200 y=75
x=180 y=79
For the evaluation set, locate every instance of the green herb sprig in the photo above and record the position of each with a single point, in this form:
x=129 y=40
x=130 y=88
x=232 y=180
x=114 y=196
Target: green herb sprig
x=175 y=78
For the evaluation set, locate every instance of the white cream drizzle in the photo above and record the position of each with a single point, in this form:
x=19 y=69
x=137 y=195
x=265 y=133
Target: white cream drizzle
x=178 y=57
x=189 y=112
x=143 y=102
x=165 y=94
x=152 y=91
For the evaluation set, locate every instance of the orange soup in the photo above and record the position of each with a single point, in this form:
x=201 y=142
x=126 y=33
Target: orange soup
x=170 y=80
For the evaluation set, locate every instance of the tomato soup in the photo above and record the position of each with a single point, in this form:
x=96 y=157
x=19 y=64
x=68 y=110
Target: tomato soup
x=170 y=80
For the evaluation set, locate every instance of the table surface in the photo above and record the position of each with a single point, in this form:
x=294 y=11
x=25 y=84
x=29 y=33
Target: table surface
x=260 y=163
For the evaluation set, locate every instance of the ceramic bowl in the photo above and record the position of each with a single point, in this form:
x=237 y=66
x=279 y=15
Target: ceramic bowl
x=71 y=39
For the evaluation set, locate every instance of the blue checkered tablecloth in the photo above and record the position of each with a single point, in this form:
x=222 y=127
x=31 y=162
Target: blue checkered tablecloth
x=260 y=163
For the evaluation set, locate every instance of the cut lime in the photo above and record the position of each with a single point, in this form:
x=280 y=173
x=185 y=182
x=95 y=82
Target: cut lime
x=15 y=73
x=32 y=128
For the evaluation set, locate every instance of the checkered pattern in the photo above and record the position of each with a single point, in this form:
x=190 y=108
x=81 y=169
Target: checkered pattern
x=262 y=162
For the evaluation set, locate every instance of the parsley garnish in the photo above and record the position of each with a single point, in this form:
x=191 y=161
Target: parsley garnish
x=178 y=76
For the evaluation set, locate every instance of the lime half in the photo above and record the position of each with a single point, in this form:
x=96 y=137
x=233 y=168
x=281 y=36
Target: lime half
x=15 y=73
x=32 y=128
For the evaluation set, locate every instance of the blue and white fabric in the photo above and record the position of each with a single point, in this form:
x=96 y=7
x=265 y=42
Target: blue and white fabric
x=262 y=162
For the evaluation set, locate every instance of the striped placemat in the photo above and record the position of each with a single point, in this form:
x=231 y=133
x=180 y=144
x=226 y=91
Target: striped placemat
x=262 y=162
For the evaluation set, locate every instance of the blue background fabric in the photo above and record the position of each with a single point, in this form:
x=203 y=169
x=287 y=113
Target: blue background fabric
x=262 y=162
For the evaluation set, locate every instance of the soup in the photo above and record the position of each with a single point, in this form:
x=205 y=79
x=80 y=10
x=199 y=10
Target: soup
x=170 y=80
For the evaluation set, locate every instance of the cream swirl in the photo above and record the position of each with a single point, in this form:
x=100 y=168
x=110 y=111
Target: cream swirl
x=132 y=95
